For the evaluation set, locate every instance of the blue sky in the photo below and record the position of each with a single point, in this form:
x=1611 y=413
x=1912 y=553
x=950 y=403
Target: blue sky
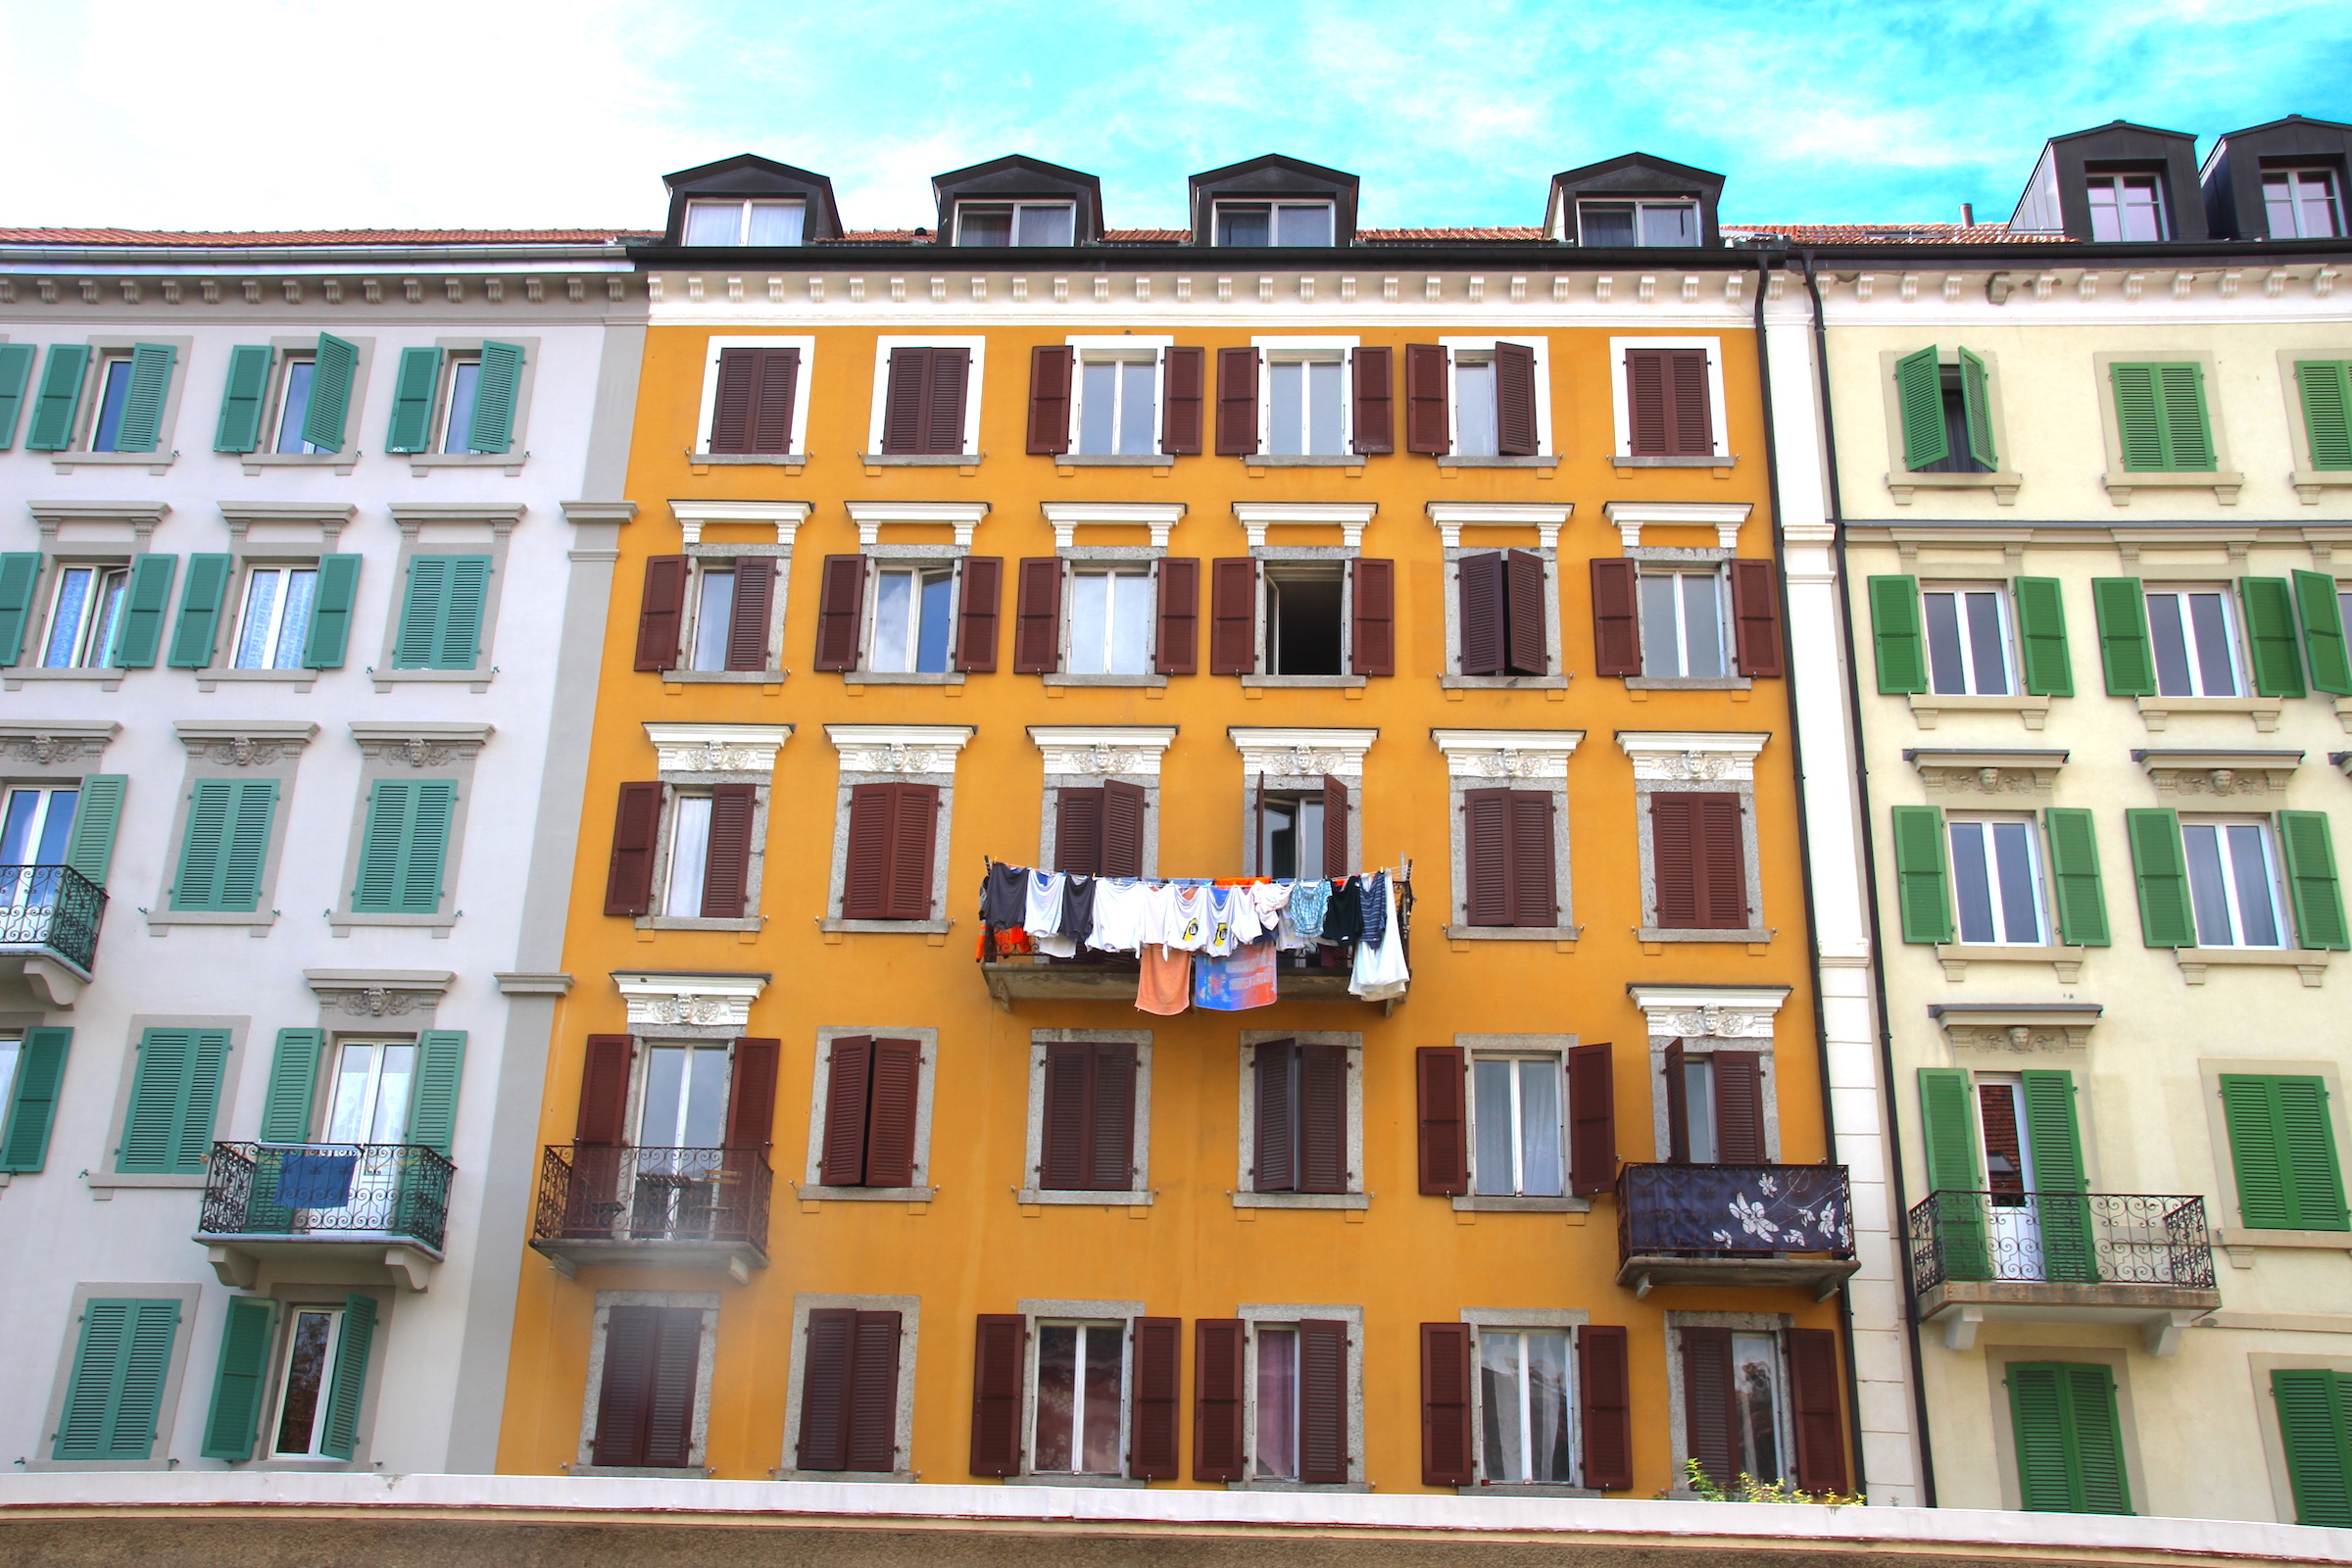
x=246 y=113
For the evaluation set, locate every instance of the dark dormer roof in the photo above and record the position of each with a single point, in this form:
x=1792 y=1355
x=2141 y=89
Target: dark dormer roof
x=2057 y=200
x=1630 y=176
x=2232 y=177
x=750 y=176
x=1274 y=175
x=1018 y=177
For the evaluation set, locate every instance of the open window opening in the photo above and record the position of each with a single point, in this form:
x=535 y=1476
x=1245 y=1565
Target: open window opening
x=1306 y=618
x=275 y=622
x=913 y=617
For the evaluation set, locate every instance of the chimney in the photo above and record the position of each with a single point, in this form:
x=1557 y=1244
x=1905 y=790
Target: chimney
x=1968 y=214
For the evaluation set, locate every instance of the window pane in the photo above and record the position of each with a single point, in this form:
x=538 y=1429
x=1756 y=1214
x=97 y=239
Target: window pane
x=715 y=607
x=10 y=1050
x=1048 y=225
x=1310 y=838
x=894 y=616
x=665 y=1096
x=348 y=1112
x=294 y=620
x=1548 y=1408
x=295 y=406
x=464 y=381
x=705 y=1120
x=931 y=653
x=984 y=225
x=1702 y=624
x=1277 y=855
x=2208 y=885
x=1057 y=1395
x=2170 y=636
x=114 y=392
x=1097 y=406
x=2278 y=206
x=1497 y=1129
x=2105 y=224
x=309 y=1336
x=1243 y=224
x=1277 y=1446
x=262 y=588
x=1090 y=622
x=1698 y=1104
x=1946 y=665
x=99 y=645
x=778 y=222
x=1661 y=632
x=1130 y=623
x=1539 y=1128
x=2021 y=906
x=1972 y=882
x=74 y=586
x=1986 y=644
x=1101 y=1448
x=689 y=856
x=1325 y=378
x=1499 y=1370
x=1473 y=410
x=2216 y=671
x=2143 y=212
x=2321 y=218
x=393 y=1084
x=1676 y=224
x=1607 y=223
x=713 y=222
x=1755 y=1403
x=1304 y=225
x=2257 y=915
x=1135 y=407
x=1286 y=408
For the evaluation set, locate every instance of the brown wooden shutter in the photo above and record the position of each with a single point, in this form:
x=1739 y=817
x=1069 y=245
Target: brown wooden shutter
x=824 y=1443
x=669 y=1417
x=1591 y=1120
x=1158 y=1385
x=1275 y=1156
x=1180 y=400
x=1687 y=392
x=1372 y=586
x=1674 y=859
x=943 y=412
x=1616 y=617
x=1036 y=617
x=1236 y=402
x=1375 y=405
x=1051 y=368
x=849 y=1080
x=870 y=876
x=752 y=1093
x=1480 y=590
x=779 y=383
x=1738 y=1108
x=1648 y=427
x=1535 y=896
x=913 y=845
x=1487 y=856
x=1445 y=1404
x=661 y=613
x=1813 y=1404
x=1177 y=650
x=1111 y=1119
x=738 y=396
x=1122 y=828
x=1335 y=828
x=1514 y=399
x=748 y=615
x=727 y=869
x=874 y=1394
x=1233 y=615
x=982 y=589
x=1445 y=1144
x=630 y=1337
x=1720 y=860
x=1708 y=1422
x=1064 y=1117
x=1757 y=617
x=1528 y=639
x=841 y=601
x=1603 y=1384
x=604 y=1090
x=1217 y=1364
x=897 y=1068
x=636 y=827
x=904 y=400
x=1323 y=1119
x=997 y=1370
x=1426 y=414
x=1323 y=1402
x=1678 y=1107
x=1078 y=831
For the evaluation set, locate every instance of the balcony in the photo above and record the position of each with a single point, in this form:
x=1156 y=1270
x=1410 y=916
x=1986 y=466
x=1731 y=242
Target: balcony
x=2062 y=1258
x=49 y=918
x=1757 y=1227
x=382 y=1204
x=605 y=1206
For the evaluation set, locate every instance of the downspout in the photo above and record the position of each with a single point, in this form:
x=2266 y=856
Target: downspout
x=1901 y=1217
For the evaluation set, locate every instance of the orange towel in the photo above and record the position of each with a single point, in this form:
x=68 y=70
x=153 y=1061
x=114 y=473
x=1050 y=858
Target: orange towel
x=1165 y=985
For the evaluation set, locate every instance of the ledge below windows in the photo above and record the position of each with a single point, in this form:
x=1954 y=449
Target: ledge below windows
x=1928 y=707
x=810 y=1195
x=1356 y=682
x=421 y=463
x=108 y=679
x=341 y=461
x=2241 y=1243
x=161 y=921
x=910 y=677
x=2310 y=963
x=966 y=463
x=1505 y=683
x=1489 y=1203
x=1757 y=937
x=929 y=928
x=1034 y=1196
x=1105 y=680
x=343 y=922
x=1067 y=463
x=1541 y=460
x=1957 y=956
x=301 y=680
x=157 y=463
x=2225 y=486
x=1355 y=1200
x=792 y=462
x=2157 y=712
x=2309 y=483
x=476 y=681
x=1564 y=936
x=2003 y=483
x=1689 y=683
x=1724 y=463
x=770 y=681
x=696 y=922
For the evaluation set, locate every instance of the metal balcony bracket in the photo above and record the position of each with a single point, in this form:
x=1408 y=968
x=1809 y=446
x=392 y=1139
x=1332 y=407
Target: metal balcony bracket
x=1960 y=1328
x=2161 y=1336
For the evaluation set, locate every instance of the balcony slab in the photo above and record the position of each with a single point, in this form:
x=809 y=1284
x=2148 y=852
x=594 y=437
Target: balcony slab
x=2160 y=1311
x=1008 y=981
x=1776 y=1271
x=237 y=1259
x=567 y=1255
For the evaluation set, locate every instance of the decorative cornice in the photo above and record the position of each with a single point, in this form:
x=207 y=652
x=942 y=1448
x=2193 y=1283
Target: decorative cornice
x=260 y=742
x=899 y=748
x=578 y=513
x=2017 y=1029
x=1724 y=517
x=1709 y=1012
x=1691 y=757
x=962 y=516
x=45 y=744
x=717 y=748
x=525 y=983
x=1102 y=749
x=657 y=1000
x=1302 y=753
x=415 y=515
x=379 y=993
x=1068 y=516
x=785 y=515
x=1351 y=517
x=1970 y=774
x=2219 y=774
x=1452 y=517
x=422 y=745
x=1507 y=754
x=142 y=516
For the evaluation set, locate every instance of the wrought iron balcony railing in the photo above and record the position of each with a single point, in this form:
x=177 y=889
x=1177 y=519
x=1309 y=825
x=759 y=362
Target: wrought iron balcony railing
x=52 y=907
x=327 y=1192
x=710 y=1197
x=2061 y=1239
x=1728 y=1211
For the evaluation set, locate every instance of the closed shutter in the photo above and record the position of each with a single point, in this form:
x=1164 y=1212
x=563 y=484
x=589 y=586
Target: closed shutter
x=1896 y=636
x=200 y=599
x=1428 y=416
x=1323 y=1456
x=755 y=405
x=1444 y=1148
x=1515 y=400
x=174 y=1095
x=1445 y=1404
x=1708 y=1420
x=19 y=569
x=677 y=1360
x=293 y=1085
x=248 y=385
x=332 y=371
x=2321 y=610
x=980 y=590
x=2160 y=866
x=1218 y=1363
x=997 y=1379
x=2282 y=1149
x=2121 y=608
x=414 y=389
x=2271 y=641
x=1123 y=829
x=2160 y=418
x=325 y=644
x=1051 y=368
x=116 y=1395
x=405 y=847
x=1078 y=831
x=1717 y=860
x=2139 y=419
x=1674 y=856
x=636 y=828
x=661 y=612
x=1088 y=1118
x=604 y=1090
x=779 y=385
x=59 y=400
x=233 y=1422
x=497 y=392
x=1481 y=615
x=2311 y=879
x=90 y=848
x=750 y=613
x=1948 y=1123
x=1372 y=590
x=2056 y=1143
x=226 y=843
x=873 y=1403
x=1158 y=1351
x=1922 y=881
x=1526 y=639
x=825 y=1438
x=727 y=869
x=892 y=829
x=440 y=1074
x=1603 y=1383
x=904 y=399
x=1322 y=1102
x=1274 y=1138
x=1233 y=616
x=1616 y=618
x=347 y=1383
x=2049 y=670
x=1919 y=398
x=2326 y=386
x=1185 y=386
x=149 y=595
x=849 y=1089
x=2082 y=896
x=441 y=616
x=645 y=1411
x=1487 y=856
x=15 y=373
x=898 y=1066
x=142 y=424
x=1738 y=1108
x=1669 y=409
x=2068 y=1440
x=1336 y=857
x=2315 y=1427
x=1534 y=896
x=1375 y=403
x=1975 y=410
x=914 y=844
x=1591 y=1118
x=841 y=602
x=1814 y=1410
x=1236 y=402
x=1177 y=649
x=1036 y=617
x=943 y=401
x=32 y=1098
x=1756 y=619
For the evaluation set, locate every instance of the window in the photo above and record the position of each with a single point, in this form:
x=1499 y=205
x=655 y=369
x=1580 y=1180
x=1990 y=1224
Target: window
x=1523 y=1404
x=1504 y=626
x=114 y=396
x=35 y=829
x=1301 y=1133
x=913 y=615
x=1698 y=852
x=872 y=1092
x=275 y=621
x=322 y=1372
x=708 y=612
x=2195 y=650
x=1304 y=616
x=745 y=223
x=1669 y=403
x=1110 y=622
x=441 y=615
x=1081 y=1399
x=456 y=401
x=1085 y=1405
x=1516 y=1106
x=122 y=1365
x=2161 y=424
x=1736 y=1403
x=2301 y=204
x=1301 y=1373
x=295 y=375
x=1511 y=855
x=1099 y=830
x=646 y=1401
x=1117 y=406
x=1945 y=412
x=713 y=616
x=2314 y=1418
x=2129 y=207
x=1323 y=397
x=849 y=1391
x=1625 y=223
x=753 y=412
x=2068 y=1437
x=1294 y=836
x=708 y=876
x=226 y=845
x=405 y=847
x=924 y=401
x=1957 y=640
x=85 y=617
x=2234 y=884
x=175 y=1091
x=1016 y=224
x=1493 y=409
x=1714 y=1106
x=1526 y=1403
x=1683 y=624
x=2283 y=1151
x=1967 y=641
x=1307 y=400
x=1087 y=1107
x=1274 y=223
x=891 y=830
x=1322 y=617
x=1997 y=875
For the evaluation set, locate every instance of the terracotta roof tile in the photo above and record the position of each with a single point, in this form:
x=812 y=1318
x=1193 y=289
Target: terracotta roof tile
x=1893 y=234
x=1505 y=231
x=322 y=236
x=1148 y=236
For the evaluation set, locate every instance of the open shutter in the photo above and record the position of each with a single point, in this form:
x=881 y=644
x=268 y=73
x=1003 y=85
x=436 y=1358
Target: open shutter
x=1335 y=828
x=1078 y=830
x=234 y=1419
x=2310 y=880
x=2075 y=876
x=752 y=1094
x=149 y=595
x=1922 y=881
x=1158 y=1385
x=15 y=373
x=1678 y=1103
x=59 y=400
x=1487 y=856
x=1185 y=386
x=1444 y=1144
x=1051 y=368
x=904 y=399
x=141 y=428
x=1527 y=638
x=200 y=599
x=1591 y=1120
x=32 y=1098
x=604 y=1090
x=1445 y=1404
x=1757 y=617
x=2326 y=386
x=2049 y=670
x=2271 y=641
x=1218 y=1368
x=2315 y=1427
x=328 y=639
x=1616 y=617
x=1122 y=828
x=293 y=1085
x=1067 y=1118
x=1375 y=403
x=2121 y=611
x=1707 y=1417
x=997 y=1367
x=90 y=846
x=840 y=603
x=825 y=1438
x=324 y=417
x=1322 y=1146
x=1738 y=1108
x=1176 y=651
x=1274 y=1142
x=898 y=1066
x=980 y=592
x=1323 y=1456
x=1233 y=615
x=19 y=569
x=1515 y=400
x=1674 y=857
x=1603 y=1383
x=2320 y=609
x=848 y=1086
x=347 y=1382
x=1427 y=415
x=1896 y=637
x=1975 y=410
x=440 y=1073
x=750 y=612
x=2161 y=868
x=1236 y=402
x=874 y=1402
x=636 y=825
x=1372 y=589
x=1919 y=397
x=943 y=406
x=865 y=878
x=727 y=869
x=1036 y=617
x=1534 y=897
x=496 y=392
x=2056 y=1141
x=913 y=842
x=1948 y=1124
x=414 y=389
x=1481 y=590
x=661 y=612
x=1111 y=1119
x=241 y=397
x=1814 y=1410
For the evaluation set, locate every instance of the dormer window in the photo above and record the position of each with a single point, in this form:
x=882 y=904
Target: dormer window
x=2301 y=204
x=1016 y=224
x=1627 y=223
x=1256 y=223
x=2127 y=207
x=745 y=223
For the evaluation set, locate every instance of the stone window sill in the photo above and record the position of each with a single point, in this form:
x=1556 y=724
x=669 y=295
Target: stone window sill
x=1305 y=680
x=2239 y=1238
x=109 y=680
x=907 y=927
x=2001 y=483
x=421 y=463
x=2120 y=485
x=1928 y=707
x=161 y=921
x=1502 y=683
x=793 y=461
x=1305 y=460
x=1753 y=936
x=341 y=461
x=1513 y=933
x=103 y=1185
x=865 y=1195
x=157 y=463
x=1688 y=683
x=2157 y=712
x=1489 y=1203
x=690 y=1472
x=763 y=678
x=43 y=1465
x=871 y=1478
x=475 y=681
x=1540 y=459
x=965 y=462
x=1115 y=459
x=1957 y=956
x=1136 y=1198
x=300 y=679
x=1105 y=680
x=343 y=922
x=2308 y=963
x=1725 y=461
x=1294 y=1486
x=1122 y=1483
x=888 y=677
x=2309 y=483
x=686 y=922
x=1303 y=1200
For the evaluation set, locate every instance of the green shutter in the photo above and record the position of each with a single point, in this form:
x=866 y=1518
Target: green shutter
x=2098 y=1433
x=494 y=396
x=1919 y=394
x=236 y=1414
x=348 y=1383
x=2070 y=1455
x=200 y=601
x=174 y=1095
x=2283 y=1150
x=441 y=616
x=19 y=570
x=413 y=392
x=2315 y=1426
x=2160 y=866
x=1975 y=404
x=2056 y=1141
x=2322 y=614
x=228 y=842
x=16 y=374
x=2041 y=629
x=440 y=1068
x=1947 y=1109
x=116 y=1392
x=2269 y=608
x=149 y=597
x=2160 y=418
x=329 y=408
x=59 y=399
x=1920 y=877
x=2250 y=1111
x=2327 y=387
x=2075 y=873
x=331 y=603
x=242 y=397
x=405 y=847
x=293 y=1085
x=142 y=426
x=1894 y=630
x=90 y=849
x=2121 y=605
x=32 y=1098
x=2310 y=880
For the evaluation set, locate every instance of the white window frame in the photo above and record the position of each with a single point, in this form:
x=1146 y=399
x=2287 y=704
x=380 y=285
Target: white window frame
x=273 y=1416
x=2036 y=870
x=806 y=344
x=743 y=206
x=48 y=790
x=1570 y=1321
x=978 y=346
x=278 y=618
x=1456 y=347
x=85 y=656
x=1036 y=1314
x=1560 y=1066
x=103 y=364
x=1126 y=350
x=2007 y=614
x=1621 y=410
x=2232 y=631
x=2293 y=176
x=876 y=567
x=2156 y=183
x=1017 y=205
x=1076 y=567
x=2273 y=868
x=1088 y=1327
x=1272 y=205
x=1727 y=632
x=282 y=381
x=1639 y=204
x=1296 y=350
x=641 y=1071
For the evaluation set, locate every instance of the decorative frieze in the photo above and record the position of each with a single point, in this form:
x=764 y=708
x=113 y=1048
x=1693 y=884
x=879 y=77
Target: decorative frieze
x=258 y=744
x=785 y=517
x=1104 y=750
x=1068 y=516
x=1302 y=753
x=422 y=745
x=379 y=993
x=1507 y=754
x=717 y=748
x=719 y=1002
x=898 y=747
x=55 y=744
x=1350 y=517
x=2220 y=775
x=962 y=516
x=1725 y=518
x=1452 y=517
x=1691 y=757
x=1995 y=1029
x=1976 y=776
x=1709 y=1012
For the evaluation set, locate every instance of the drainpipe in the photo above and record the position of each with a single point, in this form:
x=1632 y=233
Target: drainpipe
x=1901 y=1217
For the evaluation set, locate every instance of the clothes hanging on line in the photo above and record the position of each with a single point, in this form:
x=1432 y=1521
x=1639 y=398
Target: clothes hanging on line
x=1243 y=980
x=1164 y=985
x=1344 y=917
x=1310 y=902
x=1380 y=970
x=1376 y=904
x=1120 y=908
x=1004 y=894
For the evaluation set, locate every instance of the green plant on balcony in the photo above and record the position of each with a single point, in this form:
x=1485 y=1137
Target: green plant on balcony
x=1747 y=1488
